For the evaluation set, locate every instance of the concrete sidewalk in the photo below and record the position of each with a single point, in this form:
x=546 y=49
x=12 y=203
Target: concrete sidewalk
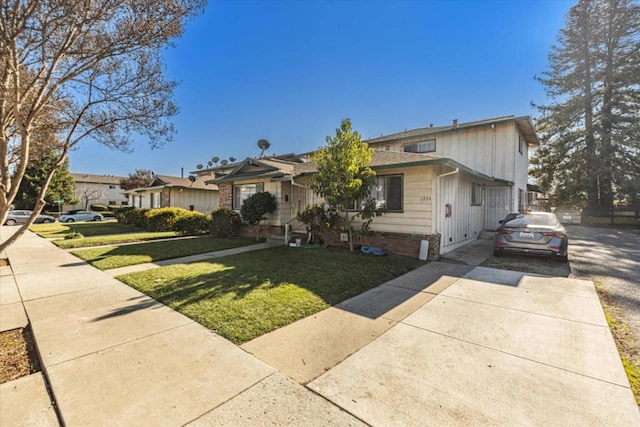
x=448 y=343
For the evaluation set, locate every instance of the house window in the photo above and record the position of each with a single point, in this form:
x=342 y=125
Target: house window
x=242 y=191
x=476 y=195
x=124 y=203
x=428 y=146
x=155 y=200
x=387 y=192
x=112 y=187
x=520 y=144
x=112 y=202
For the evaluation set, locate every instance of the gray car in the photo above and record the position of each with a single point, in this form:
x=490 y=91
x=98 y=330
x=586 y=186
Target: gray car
x=534 y=233
x=22 y=216
x=78 y=215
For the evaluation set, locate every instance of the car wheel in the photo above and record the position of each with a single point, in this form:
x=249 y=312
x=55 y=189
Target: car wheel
x=96 y=218
x=47 y=221
x=11 y=222
x=70 y=220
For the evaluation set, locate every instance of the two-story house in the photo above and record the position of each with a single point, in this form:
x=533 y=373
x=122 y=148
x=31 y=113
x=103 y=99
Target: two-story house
x=93 y=189
x=443 y=184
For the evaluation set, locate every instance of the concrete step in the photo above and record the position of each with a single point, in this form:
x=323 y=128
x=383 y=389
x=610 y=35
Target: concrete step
x=278 y=239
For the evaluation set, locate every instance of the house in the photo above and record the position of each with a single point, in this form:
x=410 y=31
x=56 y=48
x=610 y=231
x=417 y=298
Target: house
x=442 y=184
x=169 y=191
x=94 y=189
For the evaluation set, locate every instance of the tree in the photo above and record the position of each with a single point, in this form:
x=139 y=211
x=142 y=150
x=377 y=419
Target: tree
x=137 y=179
x=86 y=195
x=81 y=70
x=256 y=207
x=590 y=132
x=344 y=179
x=61 y=187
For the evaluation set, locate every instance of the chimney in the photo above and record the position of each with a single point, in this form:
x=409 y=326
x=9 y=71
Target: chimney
x=455 y=123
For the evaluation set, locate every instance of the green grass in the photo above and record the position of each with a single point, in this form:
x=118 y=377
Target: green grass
x=60 y=230
x=114 y=239
x=108 y=257
x=246 y=295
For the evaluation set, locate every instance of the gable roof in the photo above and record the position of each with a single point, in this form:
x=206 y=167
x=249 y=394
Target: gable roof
x=166 y=181
x=379 y=160
x=523 y=123
x=96 y=179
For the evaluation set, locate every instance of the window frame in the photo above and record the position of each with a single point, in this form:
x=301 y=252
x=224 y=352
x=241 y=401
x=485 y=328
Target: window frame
x=417 y=145
x=477 y=190
x=233 y=194
x=357 y=206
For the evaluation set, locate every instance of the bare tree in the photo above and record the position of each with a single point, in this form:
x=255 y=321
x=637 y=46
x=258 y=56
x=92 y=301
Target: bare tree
x=82 y=69
x=87 y=194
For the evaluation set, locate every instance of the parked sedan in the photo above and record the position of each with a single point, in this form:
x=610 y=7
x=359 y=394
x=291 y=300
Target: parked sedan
x=535 y=233
x=22 y=216
x=75 y=216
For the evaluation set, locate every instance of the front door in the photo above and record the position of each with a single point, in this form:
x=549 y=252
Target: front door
x=498 y=202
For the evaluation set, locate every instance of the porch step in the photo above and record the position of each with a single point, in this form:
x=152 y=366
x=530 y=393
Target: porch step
x=278 y=239
x=486 y=234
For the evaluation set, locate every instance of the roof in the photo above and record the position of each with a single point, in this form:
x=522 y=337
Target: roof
x=523 y=122
x=96 y=179
x=379 y=160
x=166 y=181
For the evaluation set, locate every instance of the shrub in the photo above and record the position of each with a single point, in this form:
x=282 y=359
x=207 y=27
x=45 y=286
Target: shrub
x=99 y=208
x=192 y=223
x=124 y=215
x=224 y=222
x=138 y=218
x=73 y=235
x=255 y=208
x=163 y=219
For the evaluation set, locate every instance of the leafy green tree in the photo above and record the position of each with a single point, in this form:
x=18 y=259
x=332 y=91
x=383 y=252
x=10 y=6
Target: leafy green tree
x=82 y=70
x=344 y=180
x=255 y=208
x=137 y=179
x=590 y=132
x=61 y=187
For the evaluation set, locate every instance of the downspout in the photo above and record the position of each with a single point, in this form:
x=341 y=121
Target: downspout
x=438 y=225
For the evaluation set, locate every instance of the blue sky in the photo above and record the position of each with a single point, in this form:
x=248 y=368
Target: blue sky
x=290 y=71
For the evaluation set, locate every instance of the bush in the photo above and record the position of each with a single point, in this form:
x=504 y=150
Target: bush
x=192 y=223
x=224 y=222
x=163 y=219
x=255 y=208
x=138 y=218
x=124 y=215
x=99 y=208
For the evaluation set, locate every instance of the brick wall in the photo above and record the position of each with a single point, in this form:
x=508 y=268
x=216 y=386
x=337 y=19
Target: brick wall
x=225 y=194
x=265 y=230
x=397 y=243
x=165 y=198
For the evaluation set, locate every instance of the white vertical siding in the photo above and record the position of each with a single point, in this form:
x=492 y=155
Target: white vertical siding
x=202 y=201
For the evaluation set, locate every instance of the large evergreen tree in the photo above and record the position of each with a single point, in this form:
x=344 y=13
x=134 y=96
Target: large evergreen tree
x=61 y=187
x=590 y=131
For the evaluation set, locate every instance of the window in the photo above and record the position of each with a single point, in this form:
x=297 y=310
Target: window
x=112 y=187
x=476 y=195
x=112 y=203
x=155 y=200
x=520 y=144
x=124 y=203
x=242 y=191
x=428 y=146
x=387 y=192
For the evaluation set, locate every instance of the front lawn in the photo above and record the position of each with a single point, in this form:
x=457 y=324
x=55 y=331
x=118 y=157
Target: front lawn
x=114 y=239
x=60 y=230
x=108 y=257
x=244 y=296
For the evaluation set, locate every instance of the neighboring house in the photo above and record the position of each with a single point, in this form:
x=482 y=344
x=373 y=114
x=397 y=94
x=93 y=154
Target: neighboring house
x=443 y=184
x=170 y=191
x=97 y=190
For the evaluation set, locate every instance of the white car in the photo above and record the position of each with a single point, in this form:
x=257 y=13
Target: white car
x=75 y=216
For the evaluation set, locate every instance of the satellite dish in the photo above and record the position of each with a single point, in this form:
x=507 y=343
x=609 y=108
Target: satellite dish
x=223 y=162
x=209 y=163
x=232 y=159
x=199 y=166
x=192 y=178
x=215 y=160
x=264 y=145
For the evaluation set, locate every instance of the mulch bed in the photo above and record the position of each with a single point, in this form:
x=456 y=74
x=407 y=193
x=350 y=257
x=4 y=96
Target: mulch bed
x=18 y=356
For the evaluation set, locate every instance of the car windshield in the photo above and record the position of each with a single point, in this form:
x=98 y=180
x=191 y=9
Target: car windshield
x=535 y=220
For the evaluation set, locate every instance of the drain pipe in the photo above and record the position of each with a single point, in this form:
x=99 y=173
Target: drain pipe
x=437 y=201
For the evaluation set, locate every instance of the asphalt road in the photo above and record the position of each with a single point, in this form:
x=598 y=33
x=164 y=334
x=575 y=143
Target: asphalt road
x=611 y=258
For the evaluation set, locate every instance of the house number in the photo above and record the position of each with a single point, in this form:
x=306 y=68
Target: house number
x=425 y=198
